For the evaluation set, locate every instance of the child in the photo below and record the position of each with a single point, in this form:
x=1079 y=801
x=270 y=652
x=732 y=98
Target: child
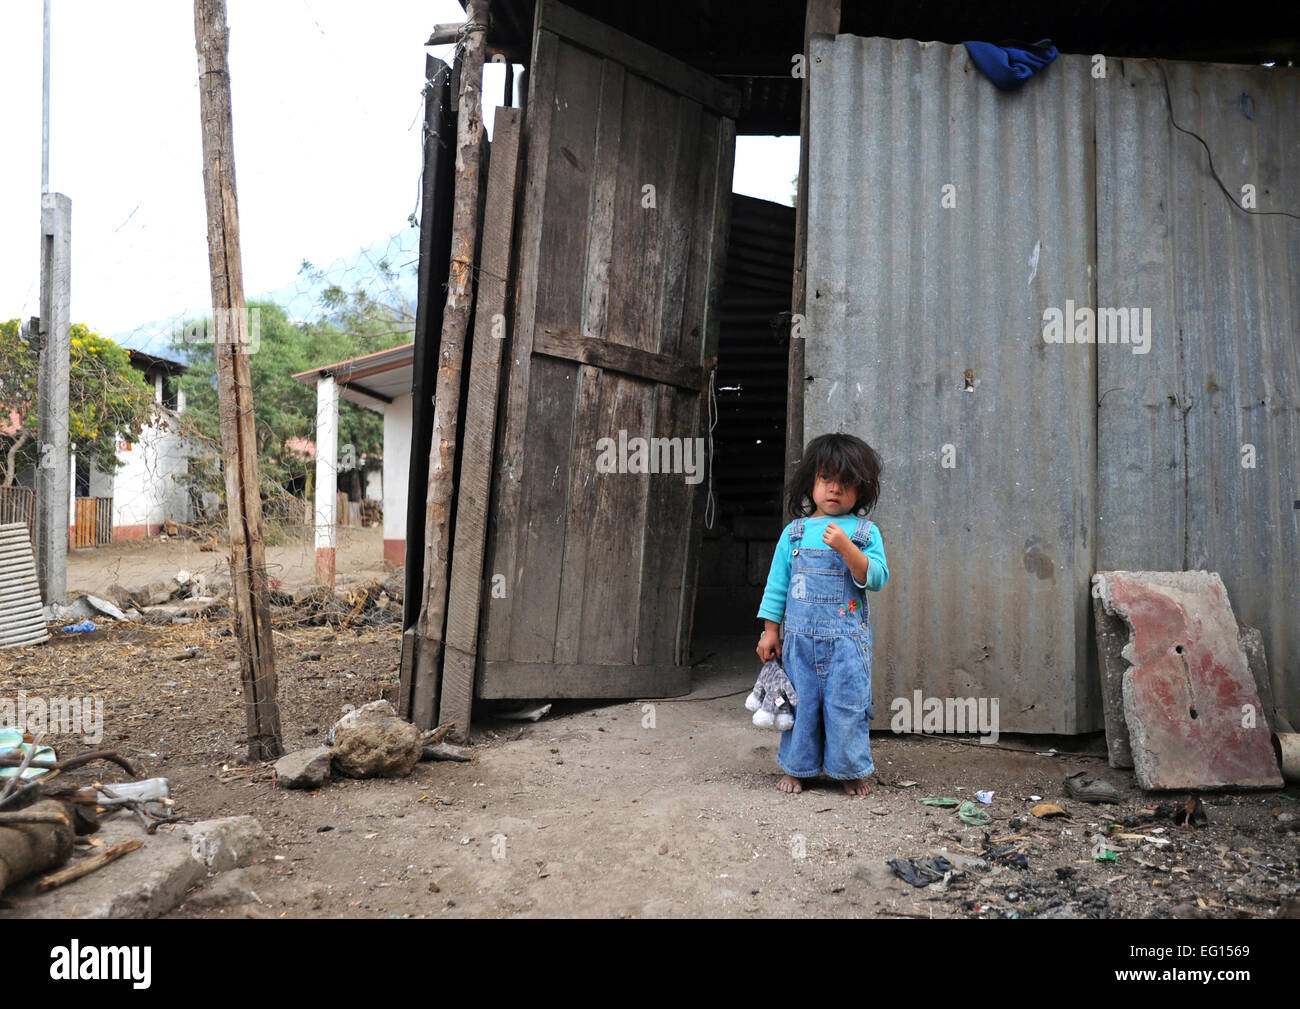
x=825 y=561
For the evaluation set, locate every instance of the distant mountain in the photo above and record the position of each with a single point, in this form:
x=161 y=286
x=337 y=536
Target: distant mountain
x=301 y=297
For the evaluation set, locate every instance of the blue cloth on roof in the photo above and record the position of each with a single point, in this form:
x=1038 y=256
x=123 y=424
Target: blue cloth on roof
x=1010 y=65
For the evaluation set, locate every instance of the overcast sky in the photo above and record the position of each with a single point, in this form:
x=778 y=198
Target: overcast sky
x=326 y=99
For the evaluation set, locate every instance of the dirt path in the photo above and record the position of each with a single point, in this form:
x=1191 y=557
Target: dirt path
x=293 y=563
x=605 y=811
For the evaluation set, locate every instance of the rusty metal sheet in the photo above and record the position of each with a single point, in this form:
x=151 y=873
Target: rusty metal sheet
x=1198 y=460
x=945 y=216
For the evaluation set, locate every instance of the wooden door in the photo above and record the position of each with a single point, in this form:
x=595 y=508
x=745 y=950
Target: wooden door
x=590 y=580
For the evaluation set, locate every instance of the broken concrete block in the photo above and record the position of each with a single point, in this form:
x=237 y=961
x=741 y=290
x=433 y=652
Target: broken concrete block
x=1190 y=704
x=1112 y=637
x=227 y=843
x=304 y=768
x=372 y=742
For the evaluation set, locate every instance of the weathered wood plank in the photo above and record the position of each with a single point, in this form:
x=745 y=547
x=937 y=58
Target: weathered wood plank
x=548 y=460
x=716 y=272
x=446 y=409
x=539 y=679
x=467 y=582
x=435 y=254
x=680 y=311
x=638 y=57
x=583 y=486
x=505 y=553
x=641 y=212
x=570 y=345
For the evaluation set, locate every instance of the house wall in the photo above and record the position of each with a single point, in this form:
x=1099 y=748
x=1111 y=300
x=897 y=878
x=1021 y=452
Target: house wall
x=148 y=489
x=397 y=463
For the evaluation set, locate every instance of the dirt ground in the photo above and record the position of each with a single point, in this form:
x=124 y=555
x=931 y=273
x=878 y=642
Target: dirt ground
x=291 y=563
x=624 y=810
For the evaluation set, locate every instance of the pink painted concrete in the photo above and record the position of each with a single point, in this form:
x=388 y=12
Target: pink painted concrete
x=1193 y=713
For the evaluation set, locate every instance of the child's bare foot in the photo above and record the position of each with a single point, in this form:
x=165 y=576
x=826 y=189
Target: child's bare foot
x=856 y=786
x=789 y=784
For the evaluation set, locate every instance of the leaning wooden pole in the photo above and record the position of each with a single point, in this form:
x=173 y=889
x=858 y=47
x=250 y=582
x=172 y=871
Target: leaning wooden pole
x=451 y=353
x=251 y=602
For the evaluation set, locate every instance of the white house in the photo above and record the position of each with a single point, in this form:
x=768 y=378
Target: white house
x=148 y=489
x=379 y=382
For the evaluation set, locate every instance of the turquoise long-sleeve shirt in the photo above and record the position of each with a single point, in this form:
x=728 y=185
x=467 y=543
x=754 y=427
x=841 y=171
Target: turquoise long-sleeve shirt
x=778 y=578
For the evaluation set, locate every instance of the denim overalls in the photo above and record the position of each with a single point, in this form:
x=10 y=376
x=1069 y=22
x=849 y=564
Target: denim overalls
x=827 y=655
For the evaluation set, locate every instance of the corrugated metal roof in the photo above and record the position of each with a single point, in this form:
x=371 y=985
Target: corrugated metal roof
x=1181 y=426
x=910 y=303
x=750 y=43
x=22 y=621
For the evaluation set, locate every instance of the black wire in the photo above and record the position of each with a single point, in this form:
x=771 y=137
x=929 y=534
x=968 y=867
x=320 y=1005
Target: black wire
x=1169 y=106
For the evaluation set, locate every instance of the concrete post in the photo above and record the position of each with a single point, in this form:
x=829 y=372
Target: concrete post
x=327 y=467
x=52 y=485
x=397 y=467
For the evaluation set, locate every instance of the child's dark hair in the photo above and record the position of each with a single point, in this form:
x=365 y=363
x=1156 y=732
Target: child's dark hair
x=842 y=457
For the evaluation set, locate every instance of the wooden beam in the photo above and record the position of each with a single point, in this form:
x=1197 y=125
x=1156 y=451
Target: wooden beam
x=546 y=679
x=570 y=345
x=250 y=600
x=491 y=310
x=821 y=17
x=446 y=410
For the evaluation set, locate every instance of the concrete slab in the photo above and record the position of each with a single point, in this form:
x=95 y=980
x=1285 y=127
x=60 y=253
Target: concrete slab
x=1190 y=704
x=147 y=882
x=1112 y=637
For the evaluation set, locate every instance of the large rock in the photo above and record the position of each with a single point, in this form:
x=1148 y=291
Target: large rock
x=153 y=594
x=1194 y=716
x=372 y=742
x=304 y=768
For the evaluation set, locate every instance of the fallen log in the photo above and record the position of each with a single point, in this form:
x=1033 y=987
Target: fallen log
x=30 y=847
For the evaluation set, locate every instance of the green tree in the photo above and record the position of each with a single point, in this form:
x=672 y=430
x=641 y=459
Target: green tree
x=285 y=409
x=108 y=400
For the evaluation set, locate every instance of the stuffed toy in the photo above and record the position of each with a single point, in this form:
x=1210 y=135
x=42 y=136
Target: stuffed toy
x=773 y=698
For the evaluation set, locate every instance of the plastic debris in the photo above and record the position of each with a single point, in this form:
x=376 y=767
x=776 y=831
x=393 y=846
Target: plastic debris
x=920 y=871
x=945 y=802
x=985 y=797
x=1035 y=798
x=85 y=627
x=970 y=813
x=1107 y=855
x=1047 y=809
x=11 y=741
x=1005 y=854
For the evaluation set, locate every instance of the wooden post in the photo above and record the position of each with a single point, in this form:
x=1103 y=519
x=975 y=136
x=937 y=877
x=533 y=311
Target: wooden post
x=446 y=409
x=250 y=601
x=821 y=17
x=491 y=307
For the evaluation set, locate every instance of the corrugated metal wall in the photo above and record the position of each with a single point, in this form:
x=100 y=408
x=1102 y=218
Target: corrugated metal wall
x=925 y=336
x=1178 y=426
